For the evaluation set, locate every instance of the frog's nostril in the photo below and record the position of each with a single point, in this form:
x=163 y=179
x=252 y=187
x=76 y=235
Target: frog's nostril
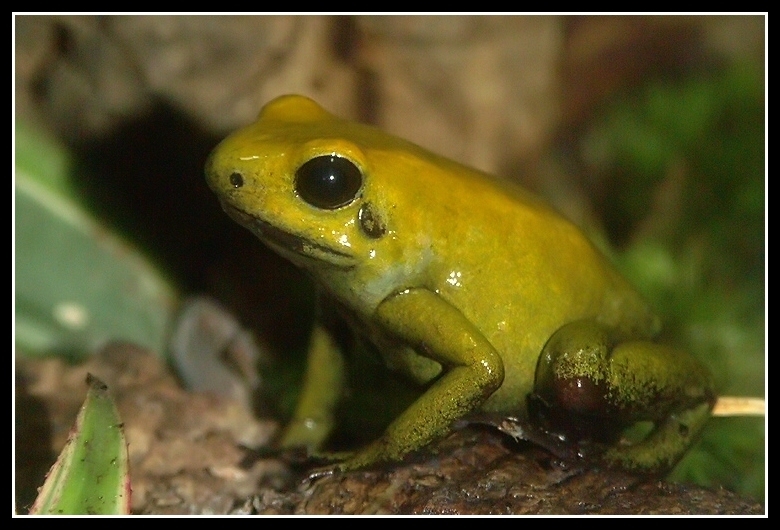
x=236 y=179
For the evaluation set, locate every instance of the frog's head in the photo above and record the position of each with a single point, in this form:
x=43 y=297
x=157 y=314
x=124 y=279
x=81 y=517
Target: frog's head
x=305 y=182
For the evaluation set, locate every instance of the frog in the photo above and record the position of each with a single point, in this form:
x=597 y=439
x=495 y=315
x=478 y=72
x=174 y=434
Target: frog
x=472 y=287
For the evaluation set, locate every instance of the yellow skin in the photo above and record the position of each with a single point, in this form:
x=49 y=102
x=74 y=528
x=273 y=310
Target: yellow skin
x=476 y=289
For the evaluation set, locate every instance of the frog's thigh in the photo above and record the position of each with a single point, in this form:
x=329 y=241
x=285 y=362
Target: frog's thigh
x=581 y=371
x=473 y=370
x=313 y=420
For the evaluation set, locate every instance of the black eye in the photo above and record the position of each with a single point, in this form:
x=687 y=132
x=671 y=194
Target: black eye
x=328 y=182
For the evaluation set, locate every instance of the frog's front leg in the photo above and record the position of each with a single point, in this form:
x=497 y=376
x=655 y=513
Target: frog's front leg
x=323 y=382
x=587 y=386
x=472 y=371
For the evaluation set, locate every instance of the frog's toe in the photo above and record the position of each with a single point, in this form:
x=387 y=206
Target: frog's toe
x=320 y=472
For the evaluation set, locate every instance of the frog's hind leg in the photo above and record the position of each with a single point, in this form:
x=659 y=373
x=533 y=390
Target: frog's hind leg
x=589 y=388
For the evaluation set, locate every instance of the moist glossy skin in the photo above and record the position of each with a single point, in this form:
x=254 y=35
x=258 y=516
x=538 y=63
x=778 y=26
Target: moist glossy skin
x=460 y=281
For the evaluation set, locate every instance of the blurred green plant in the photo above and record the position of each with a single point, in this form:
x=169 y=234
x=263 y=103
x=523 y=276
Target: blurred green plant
x=679 y=173
x=77 y=284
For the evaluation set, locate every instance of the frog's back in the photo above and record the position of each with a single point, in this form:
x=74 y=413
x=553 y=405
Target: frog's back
x=519 y=270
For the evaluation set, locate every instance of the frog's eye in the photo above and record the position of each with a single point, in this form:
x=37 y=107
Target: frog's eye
x=328 y=182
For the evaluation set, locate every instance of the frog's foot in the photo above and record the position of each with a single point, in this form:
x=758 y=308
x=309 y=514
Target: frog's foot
x=321 y=464
x=556 y=444
x=662 y=449
x=319 y=472
x=327 y=464
x=371 y=456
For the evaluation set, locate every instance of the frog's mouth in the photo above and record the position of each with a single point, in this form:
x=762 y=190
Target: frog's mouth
x=278 y=238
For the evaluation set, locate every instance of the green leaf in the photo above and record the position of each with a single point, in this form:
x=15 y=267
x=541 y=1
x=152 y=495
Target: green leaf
x=91 y=474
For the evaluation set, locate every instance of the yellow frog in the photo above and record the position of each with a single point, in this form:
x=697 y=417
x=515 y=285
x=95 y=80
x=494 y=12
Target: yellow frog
x=474 y=288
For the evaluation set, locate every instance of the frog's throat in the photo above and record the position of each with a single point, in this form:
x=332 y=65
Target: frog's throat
x=281 y=239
